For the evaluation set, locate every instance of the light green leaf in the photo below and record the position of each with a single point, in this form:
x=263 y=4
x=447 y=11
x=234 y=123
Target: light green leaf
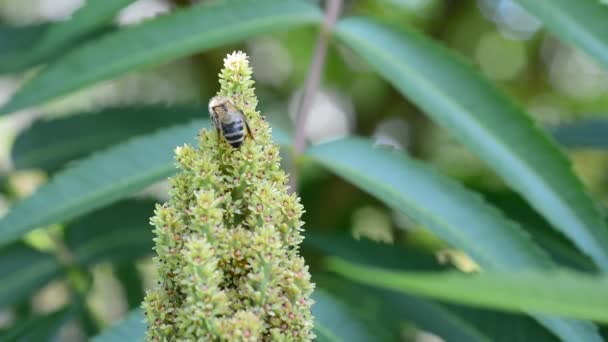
x=197 y=28
x=118 y=233
x=488 y=123
x=99 y=180
x=24 y=270
x=50 y=144
x=131 y=328
x=580 y=23
x=453 y=213
x=579 y=295
x=590 y=133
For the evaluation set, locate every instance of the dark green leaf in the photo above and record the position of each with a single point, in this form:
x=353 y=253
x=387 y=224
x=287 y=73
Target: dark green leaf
x=160 y=40
x=580 y=23
x=17 y=40
x=24 y=270
x=93 y=15
x=488 y=123
x=102 y=179
x=117 y=233
x=572 y=294
x=370 y=253
x=99 y=180
x=132 y=283
x=50 y=144
x=451 y=322
x=131 y=328
x=590 y=133
x=37 y=328
x=456 y=215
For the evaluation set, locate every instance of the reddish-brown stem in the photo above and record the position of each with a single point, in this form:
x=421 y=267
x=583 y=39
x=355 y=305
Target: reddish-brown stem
x=312 y=84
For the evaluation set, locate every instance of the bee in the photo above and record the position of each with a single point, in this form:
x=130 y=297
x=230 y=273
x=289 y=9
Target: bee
x=229 y=121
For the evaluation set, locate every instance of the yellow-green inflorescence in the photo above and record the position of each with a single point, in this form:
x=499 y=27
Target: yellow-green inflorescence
x=227 y=240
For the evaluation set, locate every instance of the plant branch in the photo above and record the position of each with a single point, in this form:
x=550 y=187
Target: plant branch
x=312 y=84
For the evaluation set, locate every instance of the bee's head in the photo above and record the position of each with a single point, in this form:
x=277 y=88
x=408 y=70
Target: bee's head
x=219 y=105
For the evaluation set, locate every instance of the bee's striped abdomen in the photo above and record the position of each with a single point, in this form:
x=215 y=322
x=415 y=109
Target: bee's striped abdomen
x=234 y=133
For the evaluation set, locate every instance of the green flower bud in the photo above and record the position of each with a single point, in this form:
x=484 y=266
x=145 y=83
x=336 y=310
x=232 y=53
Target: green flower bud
x=227 y=241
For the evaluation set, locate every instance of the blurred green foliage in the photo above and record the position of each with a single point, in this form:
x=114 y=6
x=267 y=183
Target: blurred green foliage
x=483 y=135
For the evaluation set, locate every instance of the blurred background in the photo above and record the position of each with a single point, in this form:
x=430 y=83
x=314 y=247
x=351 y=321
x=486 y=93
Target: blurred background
x=556 y=83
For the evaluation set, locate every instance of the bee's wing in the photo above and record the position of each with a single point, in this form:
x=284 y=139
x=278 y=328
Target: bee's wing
x=216 y=122
x=246 y=124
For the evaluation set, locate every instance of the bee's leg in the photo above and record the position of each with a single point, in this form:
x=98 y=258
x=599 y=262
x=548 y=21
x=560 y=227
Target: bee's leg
x=216 y=123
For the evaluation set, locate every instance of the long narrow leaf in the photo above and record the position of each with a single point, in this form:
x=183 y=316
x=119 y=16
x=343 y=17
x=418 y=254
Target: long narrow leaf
x=24 y=270
x=118 y=233
x=50 y=144
x=489 y=124
x=160 y=40
x=102 y=179
x=99 y=180
x=456 y=215
x=562 y=293
x=590 y=133
x=580 y=23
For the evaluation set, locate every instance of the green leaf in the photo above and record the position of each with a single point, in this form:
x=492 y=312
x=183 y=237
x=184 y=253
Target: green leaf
x=336 y=322
x=371 y=253
x=24 y=270
x=50 y=144
x=38 y=328
x=579 y=295
x=93 y=15
x=118 y=233
x=17 y=40
x=488 y=123
x=103 y=178
x=456 y=215
x=198 y=28
x=132 y=283
x=130 y=328
x=590 y=133
x=451 y=322
x=99 y=180
x=580 y=23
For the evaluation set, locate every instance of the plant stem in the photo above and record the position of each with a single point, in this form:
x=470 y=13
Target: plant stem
x=312 y=84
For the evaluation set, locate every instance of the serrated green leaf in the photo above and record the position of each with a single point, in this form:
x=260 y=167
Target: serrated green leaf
x=101 y=179
x=580 y=23
x=130 y=328
x=24 y=270
x=91 y=17
x=490 y=125
x=118 y=233
x=589 y=133
x=48 y=145
x=456 y=215
x=578 y=295
x=197 y=28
